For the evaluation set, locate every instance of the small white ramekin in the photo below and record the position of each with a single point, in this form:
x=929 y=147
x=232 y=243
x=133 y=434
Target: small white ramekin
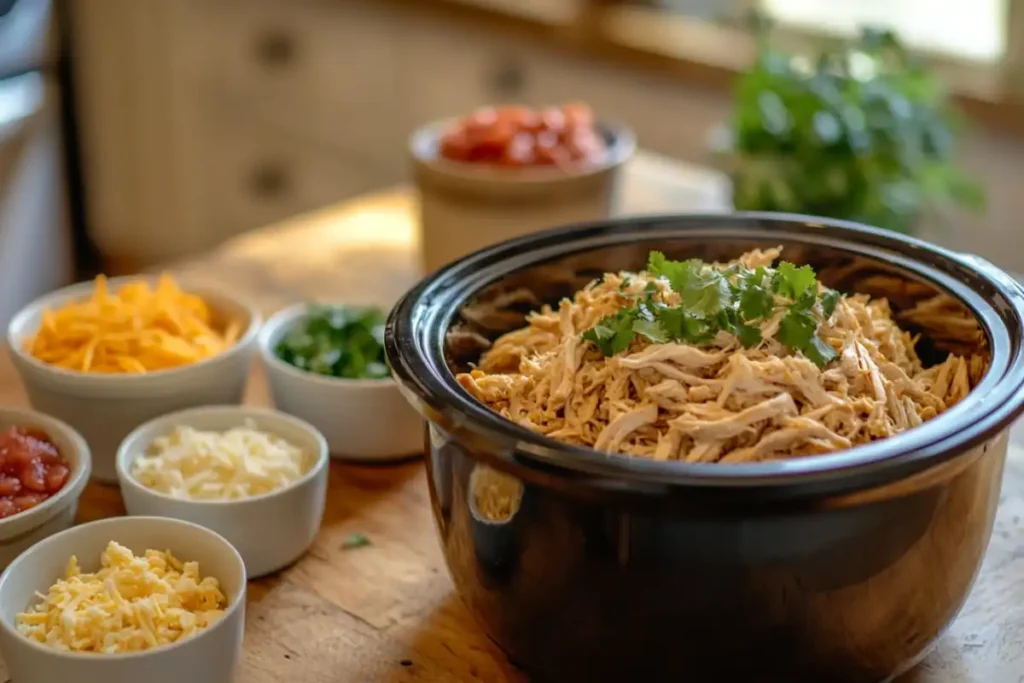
x=56 y=513
x=362 y=419
x=271 y=530
x=209 y=656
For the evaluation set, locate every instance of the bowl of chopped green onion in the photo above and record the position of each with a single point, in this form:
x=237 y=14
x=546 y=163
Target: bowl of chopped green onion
x=325 y=364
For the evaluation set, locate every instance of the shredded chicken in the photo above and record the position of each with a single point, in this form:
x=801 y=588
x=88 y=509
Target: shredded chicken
x=721 y=402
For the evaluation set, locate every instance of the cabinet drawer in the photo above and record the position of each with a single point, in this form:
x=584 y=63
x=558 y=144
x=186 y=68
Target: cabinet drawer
x=258 y=175
x=381 y=142
x=293 y=55
x=445 y=72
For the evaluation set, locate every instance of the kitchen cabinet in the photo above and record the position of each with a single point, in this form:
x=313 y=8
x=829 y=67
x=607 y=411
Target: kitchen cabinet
x=258 y=174
x=205 y=119
x=444 y=72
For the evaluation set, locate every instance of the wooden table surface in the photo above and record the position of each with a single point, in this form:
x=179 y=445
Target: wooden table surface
x=386 y=612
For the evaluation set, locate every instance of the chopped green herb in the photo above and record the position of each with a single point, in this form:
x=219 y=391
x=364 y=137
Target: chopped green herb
x=794 y=283
x=829 y=299
x=337 y=341
x=708 y=293
x=736 y=300
x=797 y=328
x=652 y=329
x=819 y=353
x=756 y=299
x=748 y=335
x=678 y=273
x=355 y=541
x=613 y=334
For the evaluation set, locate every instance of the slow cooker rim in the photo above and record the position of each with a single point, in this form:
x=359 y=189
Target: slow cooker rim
x=960 y=428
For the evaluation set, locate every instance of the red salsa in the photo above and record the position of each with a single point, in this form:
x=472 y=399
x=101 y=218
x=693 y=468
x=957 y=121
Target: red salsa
x=564 y=137
x=31 y=470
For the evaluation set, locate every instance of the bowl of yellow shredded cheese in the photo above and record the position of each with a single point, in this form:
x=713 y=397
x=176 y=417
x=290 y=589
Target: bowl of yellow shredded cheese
x=107 y=355
x=256 y=476
x=124 y=599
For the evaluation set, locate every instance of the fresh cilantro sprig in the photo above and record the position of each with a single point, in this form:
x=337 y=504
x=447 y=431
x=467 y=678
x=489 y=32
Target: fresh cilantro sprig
x=734 y=299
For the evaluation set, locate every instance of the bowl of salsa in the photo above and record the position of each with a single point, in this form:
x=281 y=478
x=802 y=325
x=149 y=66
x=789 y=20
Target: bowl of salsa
x=501 y=172
x=44 y=465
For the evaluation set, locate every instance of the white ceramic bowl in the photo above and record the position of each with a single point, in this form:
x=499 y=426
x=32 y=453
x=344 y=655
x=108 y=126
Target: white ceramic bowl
x=208 y=657
x=465 y=206
x=271 y=530
x=105 y=407
x=56 y=513
x=362 y=419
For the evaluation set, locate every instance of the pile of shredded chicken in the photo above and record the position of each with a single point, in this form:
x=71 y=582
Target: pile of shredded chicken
x=718 y=402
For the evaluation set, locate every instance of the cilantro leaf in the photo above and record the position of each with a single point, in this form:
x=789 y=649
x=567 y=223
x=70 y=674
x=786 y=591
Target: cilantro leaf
x=797 y=328
x=820 y=353
x=748 y=335
x=794 y=283
x=756 y=300
x=707 y=293
x=732 y=299
x=356 y=540
x=337 y=341
x=682 y=327
x=652 y=329
x=614 y=333
x=678 y=273
x=829 y=299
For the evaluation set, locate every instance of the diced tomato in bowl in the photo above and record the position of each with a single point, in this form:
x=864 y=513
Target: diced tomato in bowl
x=515 y=136
x=31 y=469
x=44 y=466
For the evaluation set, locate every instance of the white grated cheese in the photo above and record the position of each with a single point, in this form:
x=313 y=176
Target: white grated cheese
x=206 y=465
x=130 y=604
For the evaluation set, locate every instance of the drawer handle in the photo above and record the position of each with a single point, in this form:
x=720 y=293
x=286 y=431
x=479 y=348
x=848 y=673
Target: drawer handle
x=276 y=48
x=269 y=180
x=508 y=77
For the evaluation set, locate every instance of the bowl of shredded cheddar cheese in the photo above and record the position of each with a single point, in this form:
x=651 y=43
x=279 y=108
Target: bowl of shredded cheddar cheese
x=123 y=599
x=107 y=355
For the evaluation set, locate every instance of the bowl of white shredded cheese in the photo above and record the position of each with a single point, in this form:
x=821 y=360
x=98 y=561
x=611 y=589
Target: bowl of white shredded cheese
x=124 y=599
x=256 y=476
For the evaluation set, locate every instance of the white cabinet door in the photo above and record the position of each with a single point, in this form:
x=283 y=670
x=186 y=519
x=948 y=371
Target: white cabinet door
x=447 y=71
x=258 y=174
x=324 y=69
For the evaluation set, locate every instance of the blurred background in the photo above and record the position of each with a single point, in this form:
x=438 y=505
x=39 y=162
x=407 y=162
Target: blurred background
x=134 y=132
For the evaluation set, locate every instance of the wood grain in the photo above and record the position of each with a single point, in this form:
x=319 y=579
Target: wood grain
x=386 y=612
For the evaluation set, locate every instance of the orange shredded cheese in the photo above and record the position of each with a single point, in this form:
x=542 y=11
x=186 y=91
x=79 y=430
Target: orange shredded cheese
x=137 y=328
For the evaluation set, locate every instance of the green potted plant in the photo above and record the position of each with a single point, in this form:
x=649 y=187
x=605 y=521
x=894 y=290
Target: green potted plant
x=864 y=132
